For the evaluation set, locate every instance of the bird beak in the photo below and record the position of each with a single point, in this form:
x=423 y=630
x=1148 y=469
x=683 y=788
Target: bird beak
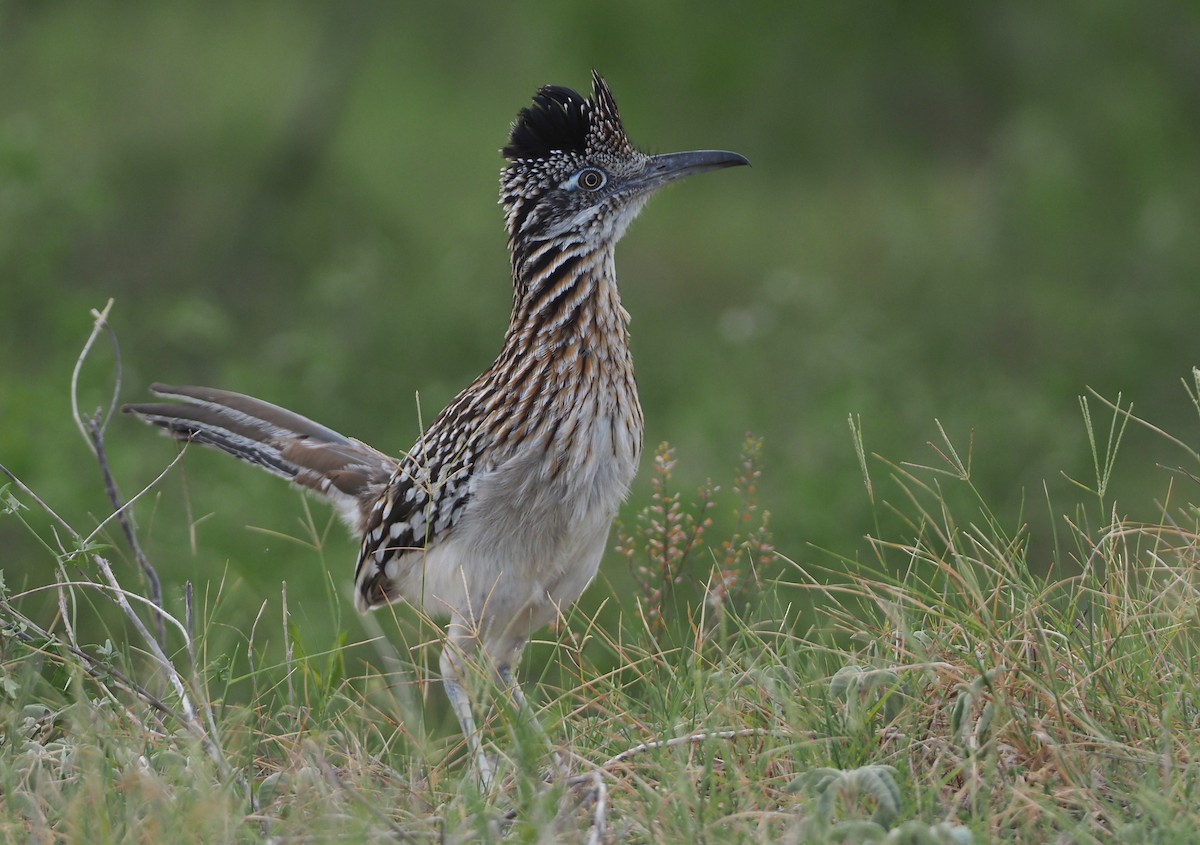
x=671 y=166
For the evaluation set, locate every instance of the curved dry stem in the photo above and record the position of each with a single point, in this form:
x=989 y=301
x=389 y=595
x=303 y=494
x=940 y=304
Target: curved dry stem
x=100 y=324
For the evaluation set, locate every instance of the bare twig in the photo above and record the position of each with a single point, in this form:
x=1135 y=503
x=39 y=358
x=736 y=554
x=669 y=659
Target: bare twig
x=92 y=428
x=36 y=499
x=100 y=324
x=599 y=821
x=121 y=513
x=117 y=512
x=689 y=739
x=104 y=588
x=64 y=613
x=190 y=716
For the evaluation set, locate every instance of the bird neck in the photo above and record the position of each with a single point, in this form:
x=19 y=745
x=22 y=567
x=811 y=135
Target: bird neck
x=565 y=296
x=565 y=368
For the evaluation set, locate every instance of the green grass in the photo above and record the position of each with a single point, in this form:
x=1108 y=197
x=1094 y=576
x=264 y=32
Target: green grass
x=956 y=679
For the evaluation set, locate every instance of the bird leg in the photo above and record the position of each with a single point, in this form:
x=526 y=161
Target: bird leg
x=462 y=645
x=453 y=678
x=525 y=710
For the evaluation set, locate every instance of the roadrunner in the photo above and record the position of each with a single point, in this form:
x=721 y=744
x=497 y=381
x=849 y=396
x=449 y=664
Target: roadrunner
x=499 y=514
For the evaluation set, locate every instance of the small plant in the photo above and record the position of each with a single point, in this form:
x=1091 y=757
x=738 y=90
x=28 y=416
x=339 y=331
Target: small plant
x=666 y=536
x=670 y=535
x=749 y=547
x=834 y=786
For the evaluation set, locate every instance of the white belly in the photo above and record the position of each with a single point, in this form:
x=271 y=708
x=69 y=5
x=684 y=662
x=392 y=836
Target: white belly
x=531 y=538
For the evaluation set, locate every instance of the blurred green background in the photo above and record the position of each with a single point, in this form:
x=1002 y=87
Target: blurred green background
x=967 y=212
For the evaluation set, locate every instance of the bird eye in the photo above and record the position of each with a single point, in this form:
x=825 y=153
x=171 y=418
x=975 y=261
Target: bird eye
x=591 y=179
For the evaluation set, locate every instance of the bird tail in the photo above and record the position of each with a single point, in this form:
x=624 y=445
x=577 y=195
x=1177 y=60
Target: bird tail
x=345 y=472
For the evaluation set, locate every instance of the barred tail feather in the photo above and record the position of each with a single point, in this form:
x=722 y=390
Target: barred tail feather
x=346 y=472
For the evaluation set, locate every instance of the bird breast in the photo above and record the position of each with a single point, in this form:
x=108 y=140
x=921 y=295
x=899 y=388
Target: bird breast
x=570 y=476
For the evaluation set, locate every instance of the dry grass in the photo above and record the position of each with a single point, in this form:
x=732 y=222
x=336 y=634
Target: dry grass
x=964 y=682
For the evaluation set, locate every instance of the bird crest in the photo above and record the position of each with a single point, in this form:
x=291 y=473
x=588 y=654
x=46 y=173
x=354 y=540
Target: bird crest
x=561 y=121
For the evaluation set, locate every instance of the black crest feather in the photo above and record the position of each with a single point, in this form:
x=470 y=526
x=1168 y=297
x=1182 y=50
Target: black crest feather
x=559 y=119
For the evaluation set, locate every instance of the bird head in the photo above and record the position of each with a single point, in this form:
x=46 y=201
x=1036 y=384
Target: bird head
x=573 y=174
